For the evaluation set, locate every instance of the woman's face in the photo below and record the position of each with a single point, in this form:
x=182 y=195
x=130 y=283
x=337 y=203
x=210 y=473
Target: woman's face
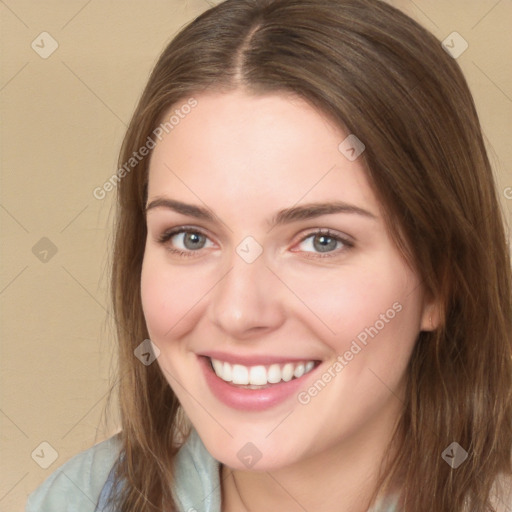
x=267 y=253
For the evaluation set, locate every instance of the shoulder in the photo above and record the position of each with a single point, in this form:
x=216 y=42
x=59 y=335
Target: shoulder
x=197 y=478
x=77 y=484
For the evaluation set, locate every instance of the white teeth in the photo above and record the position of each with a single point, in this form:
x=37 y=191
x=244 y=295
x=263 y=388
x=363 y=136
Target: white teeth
x=227 y=373
x=257 y=375
x=273 y=374
x=299 y=370
x=217 y=366
x=240 y=374
x=260 y=375
x=287 y=372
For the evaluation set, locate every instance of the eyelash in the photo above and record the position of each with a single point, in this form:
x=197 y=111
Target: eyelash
x=167 y=235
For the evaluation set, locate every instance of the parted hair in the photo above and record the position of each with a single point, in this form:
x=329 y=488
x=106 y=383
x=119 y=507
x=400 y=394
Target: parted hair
x=381 y=76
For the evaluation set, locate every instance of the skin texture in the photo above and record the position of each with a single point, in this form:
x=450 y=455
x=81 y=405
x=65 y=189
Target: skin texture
x=246 y=157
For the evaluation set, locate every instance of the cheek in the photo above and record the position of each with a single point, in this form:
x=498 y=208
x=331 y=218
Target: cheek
x=171 y=296
x=361 y=303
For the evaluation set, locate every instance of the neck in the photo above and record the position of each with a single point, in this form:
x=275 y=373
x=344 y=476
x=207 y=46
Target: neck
x=341 y=479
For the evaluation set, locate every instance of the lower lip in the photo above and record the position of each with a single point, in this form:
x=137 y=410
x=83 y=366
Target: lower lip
x=250 y=399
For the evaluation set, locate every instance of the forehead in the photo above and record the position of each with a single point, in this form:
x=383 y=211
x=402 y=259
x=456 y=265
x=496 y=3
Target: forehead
x=237 y=149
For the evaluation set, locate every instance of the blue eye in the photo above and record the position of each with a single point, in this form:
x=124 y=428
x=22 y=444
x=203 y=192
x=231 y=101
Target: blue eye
x=185 y=241
x=323 y=242
x=190 y=240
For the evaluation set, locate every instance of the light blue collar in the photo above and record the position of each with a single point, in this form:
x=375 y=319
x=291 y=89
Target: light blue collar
x=197 y=486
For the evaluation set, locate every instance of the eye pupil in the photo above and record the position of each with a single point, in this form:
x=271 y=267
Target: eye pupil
x=323 y=243
x=194 y=241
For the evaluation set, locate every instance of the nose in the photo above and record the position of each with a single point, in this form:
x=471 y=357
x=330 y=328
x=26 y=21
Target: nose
x=247 y=301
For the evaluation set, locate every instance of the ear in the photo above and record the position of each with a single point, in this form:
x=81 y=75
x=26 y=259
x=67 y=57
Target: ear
x=431 y=315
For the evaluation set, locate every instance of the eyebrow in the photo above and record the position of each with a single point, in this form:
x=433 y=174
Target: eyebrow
x=286 y=216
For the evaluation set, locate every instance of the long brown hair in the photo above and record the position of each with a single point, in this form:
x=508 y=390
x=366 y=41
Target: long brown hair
x=379 y=75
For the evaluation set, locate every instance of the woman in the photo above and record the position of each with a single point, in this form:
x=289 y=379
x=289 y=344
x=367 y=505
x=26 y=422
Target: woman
x=308 y=232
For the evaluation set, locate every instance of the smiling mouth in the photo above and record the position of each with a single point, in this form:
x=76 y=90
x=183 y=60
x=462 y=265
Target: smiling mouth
x=260 y=376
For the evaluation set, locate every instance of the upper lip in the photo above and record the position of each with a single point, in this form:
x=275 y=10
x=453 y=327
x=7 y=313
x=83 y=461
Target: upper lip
x=253 y=360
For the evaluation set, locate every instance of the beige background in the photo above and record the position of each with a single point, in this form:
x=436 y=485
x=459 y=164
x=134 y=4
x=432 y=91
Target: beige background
x=63 y=121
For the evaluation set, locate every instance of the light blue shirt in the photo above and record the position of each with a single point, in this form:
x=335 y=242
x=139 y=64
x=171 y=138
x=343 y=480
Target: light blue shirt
x=83 y=483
